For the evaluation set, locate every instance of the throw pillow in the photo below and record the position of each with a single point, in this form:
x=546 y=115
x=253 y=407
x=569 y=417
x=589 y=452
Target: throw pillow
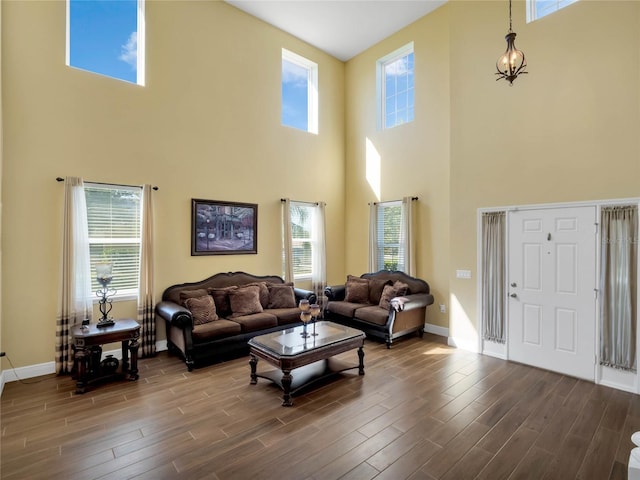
x=202 y=309
x=221 y=299
x=391 y=291
x=281 y=296
x=245 y=300
x=185 y=294
x=264 y=292
x=376 y=285
x=357 y=290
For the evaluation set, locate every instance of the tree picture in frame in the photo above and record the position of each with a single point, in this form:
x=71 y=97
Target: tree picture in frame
x=223 y=228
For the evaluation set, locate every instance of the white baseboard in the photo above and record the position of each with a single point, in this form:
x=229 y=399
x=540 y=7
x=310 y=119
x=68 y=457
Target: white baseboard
x=436 y=330
x=30 y=371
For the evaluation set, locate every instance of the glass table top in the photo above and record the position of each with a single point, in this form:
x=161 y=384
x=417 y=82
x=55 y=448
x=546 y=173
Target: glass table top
x=290 y=341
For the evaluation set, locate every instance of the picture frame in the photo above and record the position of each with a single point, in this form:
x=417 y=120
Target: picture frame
x=223 y=228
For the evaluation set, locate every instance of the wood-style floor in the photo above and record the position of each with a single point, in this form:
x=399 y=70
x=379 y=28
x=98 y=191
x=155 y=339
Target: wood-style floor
x=422 y=411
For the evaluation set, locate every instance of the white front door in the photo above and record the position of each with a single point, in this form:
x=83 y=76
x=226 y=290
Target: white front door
x=552 y=277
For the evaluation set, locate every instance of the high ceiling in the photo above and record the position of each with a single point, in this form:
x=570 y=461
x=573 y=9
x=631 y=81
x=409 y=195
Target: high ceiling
x=342 y=28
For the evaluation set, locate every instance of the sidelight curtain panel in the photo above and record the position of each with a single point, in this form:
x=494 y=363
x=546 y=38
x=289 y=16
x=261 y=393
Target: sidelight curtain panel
x=407 y=236
x=75 y=300
x=618 y=286
x=493 y=276
x=373 y=237
x=146 y=317
x=319 y=260
x=287 y=242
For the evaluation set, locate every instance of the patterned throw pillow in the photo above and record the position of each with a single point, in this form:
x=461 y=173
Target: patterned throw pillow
x=281 y=296
x=186 y=294
x=391 y=291
x=376 y=285
x=221 y=299
x=357 y=290
x=202 y=309
x=245 y=300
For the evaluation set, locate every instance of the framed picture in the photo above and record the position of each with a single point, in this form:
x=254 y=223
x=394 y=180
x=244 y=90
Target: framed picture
x=223 y=228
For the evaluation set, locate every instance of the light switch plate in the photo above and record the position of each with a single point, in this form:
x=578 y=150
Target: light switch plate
x=463 y=274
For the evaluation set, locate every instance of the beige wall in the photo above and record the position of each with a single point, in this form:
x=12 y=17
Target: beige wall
x=206 y=125
x=413 y=158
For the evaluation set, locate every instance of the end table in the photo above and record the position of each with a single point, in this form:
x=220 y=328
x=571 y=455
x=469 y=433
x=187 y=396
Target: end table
x=86 y=339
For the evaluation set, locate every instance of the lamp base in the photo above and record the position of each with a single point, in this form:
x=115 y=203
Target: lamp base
x=105 y=322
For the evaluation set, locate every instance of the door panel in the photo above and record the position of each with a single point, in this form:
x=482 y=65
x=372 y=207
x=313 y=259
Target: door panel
x=552 y=268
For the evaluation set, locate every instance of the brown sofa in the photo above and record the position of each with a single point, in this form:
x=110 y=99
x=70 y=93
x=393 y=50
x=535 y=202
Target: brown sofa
x=386 y=304
x=213 y=319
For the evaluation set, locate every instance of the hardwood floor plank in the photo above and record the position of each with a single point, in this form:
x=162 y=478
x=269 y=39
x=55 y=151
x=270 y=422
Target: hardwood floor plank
x=422 y=411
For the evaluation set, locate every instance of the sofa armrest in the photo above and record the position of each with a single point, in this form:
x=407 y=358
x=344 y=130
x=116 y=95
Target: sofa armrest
x=411 y=302
x=335 y=293
x=302 y=294
x=175 y=314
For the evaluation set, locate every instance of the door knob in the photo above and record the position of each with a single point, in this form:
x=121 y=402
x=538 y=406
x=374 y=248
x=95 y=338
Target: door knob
x=514 y=284
x=513 y=295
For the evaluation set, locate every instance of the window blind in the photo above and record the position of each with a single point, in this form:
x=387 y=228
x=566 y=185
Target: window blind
x=391 y=248
x=113 y=215
x=302 y=238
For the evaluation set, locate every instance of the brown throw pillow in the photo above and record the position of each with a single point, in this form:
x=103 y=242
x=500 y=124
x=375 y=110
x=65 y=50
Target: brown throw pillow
x=184 y=295
x=245 y=300
x=221 y=299
x=281 y=296
x=391 y=291
x=357 y=290
x=376 y=285
x=264 y=292
x=202 y=309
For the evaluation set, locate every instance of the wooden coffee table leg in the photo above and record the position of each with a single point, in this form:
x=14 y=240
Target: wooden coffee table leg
x=361 y=364
x=253 y=362
x=286 y=387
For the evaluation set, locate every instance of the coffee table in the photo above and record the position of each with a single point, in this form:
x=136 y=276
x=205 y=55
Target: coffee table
x=311 y=357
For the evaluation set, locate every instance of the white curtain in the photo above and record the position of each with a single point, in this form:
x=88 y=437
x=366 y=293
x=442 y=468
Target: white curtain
x=146 y=317
x=618 y=284
x=493 y=276
x=75 y=300
x=373 y=237
x=287 y=245
x=319 y=262
x=407 y=236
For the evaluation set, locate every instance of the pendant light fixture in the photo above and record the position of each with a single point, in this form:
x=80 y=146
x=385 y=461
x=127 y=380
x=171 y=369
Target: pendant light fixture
x=512 y=62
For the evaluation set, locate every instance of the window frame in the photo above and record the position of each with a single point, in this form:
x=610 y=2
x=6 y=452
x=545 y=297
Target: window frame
x=312 y=89
x=140 y=45
x=312 y=240
x=381 y=244
x=121 y=294
x=533 y=13
x=381 y=86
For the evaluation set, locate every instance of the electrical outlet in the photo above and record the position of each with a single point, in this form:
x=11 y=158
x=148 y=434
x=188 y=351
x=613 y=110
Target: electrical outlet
x=443 y=309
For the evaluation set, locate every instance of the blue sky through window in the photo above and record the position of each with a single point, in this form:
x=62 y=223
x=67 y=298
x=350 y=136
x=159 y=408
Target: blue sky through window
x=103 y=37
x=295 y=91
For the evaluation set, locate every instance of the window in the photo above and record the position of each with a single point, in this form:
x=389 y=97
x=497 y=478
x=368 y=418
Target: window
x=299 y=92
x=107 y=37
x=395 y=88
x=303 y=240
x=390 y=244
x=539 y=8
x=113 y=215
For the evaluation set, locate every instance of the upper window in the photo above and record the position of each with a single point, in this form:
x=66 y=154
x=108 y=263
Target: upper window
x=539 y=8
x=299 y=92
x=303 y=238
x=395 y=82
x=113 y=216
x=390 y=245
x=107 y=37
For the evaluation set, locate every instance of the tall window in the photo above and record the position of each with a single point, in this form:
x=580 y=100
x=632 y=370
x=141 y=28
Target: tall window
x=539 y=8
x=395 y=85
x=302 y=238
x=113 y=215
x=389 y=239
x=107 y=37
x=299 y=92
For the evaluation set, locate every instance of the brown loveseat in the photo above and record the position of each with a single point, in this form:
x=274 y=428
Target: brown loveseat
x=214 y=318
x=386 y=304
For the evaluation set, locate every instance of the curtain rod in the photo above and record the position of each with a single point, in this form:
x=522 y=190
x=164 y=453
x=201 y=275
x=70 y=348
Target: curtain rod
x=60 y=179
x=389 y=201
x=299 y=201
